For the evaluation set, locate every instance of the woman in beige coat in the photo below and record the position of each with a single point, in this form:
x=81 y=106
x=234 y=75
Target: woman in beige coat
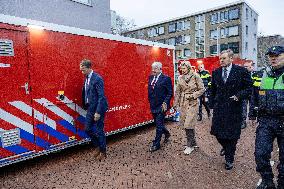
x=189 y=88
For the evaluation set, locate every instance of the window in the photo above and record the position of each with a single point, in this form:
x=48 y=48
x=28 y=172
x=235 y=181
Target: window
x=254 y=20
x=213 y=34
x=247 y=13
x=186 y=39
x=234 y=47
x=213 y=49
x=172 y=27
x=247 y=30
x=246 y=46
x=199 y=55
x=140 y=34
x=199 y=33
x=224 y=32
x=179 y=39
x=161 y=30
x=199 y=26
x=187 y=52
x=172 y=41
x=224 y=16
x=161 y=41
x=187 y=25
x=233 y=31
x=152 y=32
x=180 y=25
x=199 y=18
x=223 y=47
x=254 y=36
x=86 y=2
x=234 y=14
x=178 y=53
x=214 y=18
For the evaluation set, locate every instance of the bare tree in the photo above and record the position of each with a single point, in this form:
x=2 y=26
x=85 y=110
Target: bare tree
x=265 y=42
x=121 y=24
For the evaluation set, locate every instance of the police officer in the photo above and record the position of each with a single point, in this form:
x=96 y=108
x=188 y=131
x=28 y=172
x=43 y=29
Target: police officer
x=256 y=77
x=271 y=120
x=206 y=78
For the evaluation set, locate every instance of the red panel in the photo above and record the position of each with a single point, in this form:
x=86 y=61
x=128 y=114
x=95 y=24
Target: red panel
x=124 y=67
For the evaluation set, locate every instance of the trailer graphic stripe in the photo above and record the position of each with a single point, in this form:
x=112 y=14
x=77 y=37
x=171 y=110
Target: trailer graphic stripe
x=53 y=108
x=37 y=115
x=6 y=116
x=70 y=127
x=53 y=132
x=17 y=149
x=74 y=106
x=33 y=139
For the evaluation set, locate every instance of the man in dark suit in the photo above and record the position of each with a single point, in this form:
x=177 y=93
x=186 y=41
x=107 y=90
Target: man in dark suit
x=231 y=84
x=95 y=102
x=160 y=92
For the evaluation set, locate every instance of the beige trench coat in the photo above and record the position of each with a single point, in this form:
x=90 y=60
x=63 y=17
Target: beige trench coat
x=186 y=99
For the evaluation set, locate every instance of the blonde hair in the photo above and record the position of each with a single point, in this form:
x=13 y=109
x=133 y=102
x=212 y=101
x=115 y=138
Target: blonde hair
x=186 y=63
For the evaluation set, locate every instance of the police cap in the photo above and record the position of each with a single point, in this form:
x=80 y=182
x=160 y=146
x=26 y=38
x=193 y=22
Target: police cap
x=275 y=50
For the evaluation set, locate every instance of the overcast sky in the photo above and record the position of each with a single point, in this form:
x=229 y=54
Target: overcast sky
x=144 y=12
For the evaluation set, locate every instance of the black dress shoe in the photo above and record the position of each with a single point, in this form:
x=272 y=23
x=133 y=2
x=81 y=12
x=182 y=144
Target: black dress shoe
x=222 y=152
x=229 y=166
x=154 y=148
x=266 y=184
x=167 y=138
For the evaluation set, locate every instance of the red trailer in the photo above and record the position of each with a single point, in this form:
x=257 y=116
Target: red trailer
x=40 y=106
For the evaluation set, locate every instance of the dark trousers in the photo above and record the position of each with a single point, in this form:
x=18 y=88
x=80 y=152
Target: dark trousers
x=269 y=128
x=159 y=119
x=95 y=131
x=190 y=136
x=244 y=111
x=229 y=145
x=205 y=104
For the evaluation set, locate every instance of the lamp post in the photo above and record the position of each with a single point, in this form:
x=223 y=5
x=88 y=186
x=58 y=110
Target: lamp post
x=218 y=36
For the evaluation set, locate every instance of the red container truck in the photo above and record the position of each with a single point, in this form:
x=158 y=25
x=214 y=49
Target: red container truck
x=40 y=93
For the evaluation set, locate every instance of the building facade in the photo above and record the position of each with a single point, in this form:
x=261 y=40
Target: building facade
x=85 y=14
x=208 y=32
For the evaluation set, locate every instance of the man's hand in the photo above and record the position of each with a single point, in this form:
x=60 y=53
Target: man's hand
x=164 y=107
x=234 y=98
x=97 y=116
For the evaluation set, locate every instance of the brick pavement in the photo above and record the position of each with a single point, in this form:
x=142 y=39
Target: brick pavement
x=131 y=165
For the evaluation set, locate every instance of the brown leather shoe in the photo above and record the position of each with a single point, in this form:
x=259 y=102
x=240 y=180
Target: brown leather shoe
x=101 y=156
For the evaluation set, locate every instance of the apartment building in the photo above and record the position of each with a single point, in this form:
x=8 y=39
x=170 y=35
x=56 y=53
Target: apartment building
x=85 y=14
x=207 y=33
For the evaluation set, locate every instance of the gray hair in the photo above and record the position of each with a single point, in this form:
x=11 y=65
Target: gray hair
x=229 y=52
x=157 y=65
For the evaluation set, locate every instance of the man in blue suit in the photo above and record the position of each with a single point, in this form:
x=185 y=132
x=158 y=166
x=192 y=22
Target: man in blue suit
x=160 y=92
x=94 y=101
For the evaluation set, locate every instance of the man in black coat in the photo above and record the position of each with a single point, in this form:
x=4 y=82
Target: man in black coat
x=230 y=85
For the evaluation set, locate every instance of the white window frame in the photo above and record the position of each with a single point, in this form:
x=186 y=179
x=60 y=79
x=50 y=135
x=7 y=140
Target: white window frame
x=85 y=2
x=180 y=23
x=235 y=29
x=187 y=25
x=186 y=50
x=186 y=39
x=161 y=30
